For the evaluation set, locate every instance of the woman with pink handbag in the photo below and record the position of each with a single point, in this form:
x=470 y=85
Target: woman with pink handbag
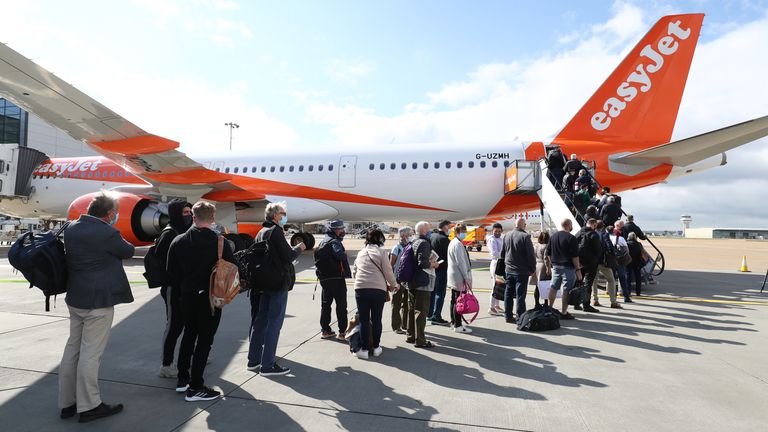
x=460 y=280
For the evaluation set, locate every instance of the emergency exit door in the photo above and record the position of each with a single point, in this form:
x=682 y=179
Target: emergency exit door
x=347 y=168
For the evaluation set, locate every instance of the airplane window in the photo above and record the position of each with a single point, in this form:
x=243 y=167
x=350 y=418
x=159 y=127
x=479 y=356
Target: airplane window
x=218 y=169
x=506 y=163
x=301 y=168
x=320 y=167
x=370 y=167
x=253 y=169
x=381 y=166
x=482 y=164
x=120 y=173
x=330 y=167
x=97 y=174
x=414 y=165
x=290 y=168
x=237 y=169
x=90 y=174
x=403 y=165
x=311 y=167
x=494 y=164
x=282 y=168
x=111 y=173
x=245 y=170
x=458 y=164
x=263 y=169
x=437 y=165
x=226 y=170
x=447 y=164
x=471 y=164
x=426 y=165
x=272 y=169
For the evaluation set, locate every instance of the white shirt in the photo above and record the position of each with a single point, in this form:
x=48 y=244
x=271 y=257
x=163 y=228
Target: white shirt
x=622 y=241
x=494 y=246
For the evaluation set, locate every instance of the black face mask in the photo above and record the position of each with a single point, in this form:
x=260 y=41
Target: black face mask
x=187 y=221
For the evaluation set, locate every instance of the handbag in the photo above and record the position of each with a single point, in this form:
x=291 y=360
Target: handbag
x=467 y=303
x=499 y=287
x=577 y=295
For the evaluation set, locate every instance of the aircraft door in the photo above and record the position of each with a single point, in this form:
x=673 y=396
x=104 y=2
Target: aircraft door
x=347 y=168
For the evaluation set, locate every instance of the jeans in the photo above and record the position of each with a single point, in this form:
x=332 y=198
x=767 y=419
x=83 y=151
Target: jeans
x=400 y=310
x=637 y=274
x=517 y=288
x=199 y=328
x=622 y=271
x=333 y=290
x=370 y=306
x=437 y=298
x=265 y=330
x=174 y=322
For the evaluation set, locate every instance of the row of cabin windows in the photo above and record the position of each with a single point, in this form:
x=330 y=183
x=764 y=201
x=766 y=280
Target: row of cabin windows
x=282 y=168
x=436 y=165
x=83 y=174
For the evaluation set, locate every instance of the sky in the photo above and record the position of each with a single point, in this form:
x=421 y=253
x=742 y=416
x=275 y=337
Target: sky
x=338 y=74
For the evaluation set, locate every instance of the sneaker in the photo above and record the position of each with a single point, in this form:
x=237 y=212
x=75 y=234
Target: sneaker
x=377 y=351
x=499 y=310
x=275 y=370
x=327 y=335
x=493 y=312
x=628 y=300
x=341 y=336
x=101 y=411
x=202 y=394
x=400 y=331
x=439 y=321
x=362 y=354
x=596 y=304
x=253 y=368
x=512 y=320
x=577 y=307
x=182 y=386
x=169 y=371
x=462 y=329
x=588 y=308
x=616 y=306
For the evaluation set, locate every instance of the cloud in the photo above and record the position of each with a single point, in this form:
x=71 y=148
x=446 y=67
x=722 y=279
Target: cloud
x=349 y=70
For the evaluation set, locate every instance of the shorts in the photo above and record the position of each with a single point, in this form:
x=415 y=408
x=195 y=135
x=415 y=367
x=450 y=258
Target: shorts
x=562 y=274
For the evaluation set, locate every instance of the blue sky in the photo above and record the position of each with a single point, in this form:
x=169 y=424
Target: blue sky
x=322 y=74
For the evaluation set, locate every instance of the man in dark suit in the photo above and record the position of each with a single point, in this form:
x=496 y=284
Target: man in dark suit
x=96 y=283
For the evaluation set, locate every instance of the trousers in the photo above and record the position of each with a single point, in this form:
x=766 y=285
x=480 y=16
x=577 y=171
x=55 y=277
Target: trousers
x=200 y=327
x=334 y=290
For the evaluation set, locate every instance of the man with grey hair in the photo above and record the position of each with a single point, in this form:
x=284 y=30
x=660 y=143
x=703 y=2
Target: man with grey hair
x=400 y=297
x=420 y=287
x=266 y=326
x=96 y=282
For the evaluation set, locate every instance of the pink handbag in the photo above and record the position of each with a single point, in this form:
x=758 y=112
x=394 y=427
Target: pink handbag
x=467 y=303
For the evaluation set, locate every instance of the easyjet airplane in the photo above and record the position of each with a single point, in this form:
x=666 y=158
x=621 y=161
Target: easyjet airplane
x=625 y=127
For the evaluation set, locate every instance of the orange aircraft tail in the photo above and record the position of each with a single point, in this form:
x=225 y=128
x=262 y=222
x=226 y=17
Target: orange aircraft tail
x=636 y=107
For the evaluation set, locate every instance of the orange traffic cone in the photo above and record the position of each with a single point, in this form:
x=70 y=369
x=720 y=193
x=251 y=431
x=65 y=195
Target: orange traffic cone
x=744 y=265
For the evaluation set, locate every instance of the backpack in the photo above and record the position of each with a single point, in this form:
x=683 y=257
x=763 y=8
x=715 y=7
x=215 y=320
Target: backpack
x=225 y=281
x=540 y=318
x=40 y=259
x=406 y=265
x=467 y=303
x=258 y=269
x=609 y=253
x=326 y=266
x=623 y=257
x=154 y=271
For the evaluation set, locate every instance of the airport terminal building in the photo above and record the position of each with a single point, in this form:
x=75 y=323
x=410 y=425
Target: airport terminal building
x=727 y=233
x=28 y=130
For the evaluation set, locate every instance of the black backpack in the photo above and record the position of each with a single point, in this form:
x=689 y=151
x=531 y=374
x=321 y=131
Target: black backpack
x=40 y=258
x=540 y=318
x=326 y=265
x=154 y=270
x=259 y=270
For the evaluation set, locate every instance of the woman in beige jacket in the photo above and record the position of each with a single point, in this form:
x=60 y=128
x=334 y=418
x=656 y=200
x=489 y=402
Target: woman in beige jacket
x=373 y=279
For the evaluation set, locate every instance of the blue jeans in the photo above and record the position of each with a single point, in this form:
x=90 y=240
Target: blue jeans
x=265 y=329
x=517 y=288
x=562 y=274
x=437 y=298
x=622 y=271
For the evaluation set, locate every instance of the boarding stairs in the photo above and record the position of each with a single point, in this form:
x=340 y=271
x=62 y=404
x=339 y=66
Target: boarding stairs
x=529 y=177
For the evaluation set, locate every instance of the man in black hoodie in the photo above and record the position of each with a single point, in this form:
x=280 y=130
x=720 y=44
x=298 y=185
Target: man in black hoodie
x=332 y=269
x=180 y=214
x=439 y=242
x=191 y=258
x=590 y=251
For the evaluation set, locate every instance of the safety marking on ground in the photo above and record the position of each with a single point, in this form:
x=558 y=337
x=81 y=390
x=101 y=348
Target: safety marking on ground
x=132 y=282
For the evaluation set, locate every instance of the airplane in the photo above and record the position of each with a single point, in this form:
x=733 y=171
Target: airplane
x=625 y=128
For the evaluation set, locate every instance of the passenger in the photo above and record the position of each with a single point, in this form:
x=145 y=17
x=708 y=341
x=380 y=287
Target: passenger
x=520 y=263
x=440 y=243
x=636 y=252
x=556 y=167
x=590 y=252
x=332 y=268
x=569 y=182
x=543 y=264
x=265 y=329
x=581 y=202
x=591 y=213
x=96 y=282
x=574 y=164
x=191 y=258
x=605 y=192
x=620 y=243
x=563 y=251
x=459 y=274
x=373 y=280
x=400 y=296
x=420 y=287
x=610 y=212
x=495 y=245
x=584 y=179
x=606 y=267
x=630 y=226
x=180 y=214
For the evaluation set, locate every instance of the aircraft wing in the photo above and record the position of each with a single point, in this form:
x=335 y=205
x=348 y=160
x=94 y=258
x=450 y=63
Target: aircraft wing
x=152 y=158
x=691 y=150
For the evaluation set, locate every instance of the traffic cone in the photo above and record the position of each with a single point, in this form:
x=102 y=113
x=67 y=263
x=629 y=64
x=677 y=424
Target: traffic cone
x=744 y=265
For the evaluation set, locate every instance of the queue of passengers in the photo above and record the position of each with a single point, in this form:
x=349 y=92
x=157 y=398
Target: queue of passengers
x=189 y=247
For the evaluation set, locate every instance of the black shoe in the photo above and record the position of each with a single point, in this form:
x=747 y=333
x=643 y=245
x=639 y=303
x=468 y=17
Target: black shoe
x=588 y=308
x=275 y=370
x=202 y=394
x=100 y=411
x=182 y=386
x=69 y=411
x=510 y=321
x=577 y=307
x=439 y=321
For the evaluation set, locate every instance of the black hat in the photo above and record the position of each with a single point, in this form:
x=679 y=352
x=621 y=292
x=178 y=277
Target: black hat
x=336 y=224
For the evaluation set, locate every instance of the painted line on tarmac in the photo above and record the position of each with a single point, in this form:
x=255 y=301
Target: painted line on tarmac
x=132 y=282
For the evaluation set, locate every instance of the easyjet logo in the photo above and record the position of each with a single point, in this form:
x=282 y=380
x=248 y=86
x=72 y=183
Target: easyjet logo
x=652 y=61
x=62 y=167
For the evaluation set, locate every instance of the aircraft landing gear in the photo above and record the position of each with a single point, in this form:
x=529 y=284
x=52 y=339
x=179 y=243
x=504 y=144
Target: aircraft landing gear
x=306 y=238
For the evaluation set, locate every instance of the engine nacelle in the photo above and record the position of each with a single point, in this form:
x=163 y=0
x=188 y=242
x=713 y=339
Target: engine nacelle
x=140 y=221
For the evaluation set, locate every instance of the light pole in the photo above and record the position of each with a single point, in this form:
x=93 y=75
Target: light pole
x=231 y=126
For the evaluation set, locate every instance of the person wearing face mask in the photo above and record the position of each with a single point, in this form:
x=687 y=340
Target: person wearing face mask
x=180 y=215
x=459 y=274
x=400 y=296
x=332 y=268
x=96 y=282
x=495 y=245
x=439 y=241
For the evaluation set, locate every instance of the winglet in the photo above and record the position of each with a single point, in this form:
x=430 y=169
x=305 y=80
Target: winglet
x=636 y=107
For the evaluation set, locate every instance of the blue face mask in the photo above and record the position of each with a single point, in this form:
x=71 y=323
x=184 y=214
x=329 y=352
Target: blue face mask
x=462 y=236
x=114 y=221
x=283 y=220
x=429 y=234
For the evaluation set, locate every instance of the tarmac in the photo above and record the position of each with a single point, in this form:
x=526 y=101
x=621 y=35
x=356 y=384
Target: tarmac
x=688 y=355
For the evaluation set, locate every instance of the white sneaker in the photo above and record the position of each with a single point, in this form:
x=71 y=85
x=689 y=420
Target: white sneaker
x=493 y=312
x=169 y=371
x=377 y=351
x=362 y=354
x=462 y=329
